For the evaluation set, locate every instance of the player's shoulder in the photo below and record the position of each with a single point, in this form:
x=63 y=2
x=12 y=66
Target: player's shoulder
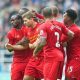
x=24 y=27
x=78 y=29
x=75 y=27
x=11 y=31
x=38 y=25
x=60 y=24
x=43 y=25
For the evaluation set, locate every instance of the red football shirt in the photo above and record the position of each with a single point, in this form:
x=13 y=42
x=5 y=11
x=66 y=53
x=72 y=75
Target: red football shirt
x=39 y=16
x=15 y=35
x=32 y=34
x=73 y=46
x=52 y=31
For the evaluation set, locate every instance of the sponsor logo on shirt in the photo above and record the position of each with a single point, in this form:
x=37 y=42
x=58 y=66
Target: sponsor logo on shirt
x=33 y=38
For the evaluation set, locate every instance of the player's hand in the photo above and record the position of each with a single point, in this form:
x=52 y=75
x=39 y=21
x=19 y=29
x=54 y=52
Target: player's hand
x=8 y=46
x=31 y=46
x=35 y=56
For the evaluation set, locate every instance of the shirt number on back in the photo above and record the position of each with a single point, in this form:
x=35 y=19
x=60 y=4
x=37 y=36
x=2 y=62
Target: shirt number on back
x=57 y=42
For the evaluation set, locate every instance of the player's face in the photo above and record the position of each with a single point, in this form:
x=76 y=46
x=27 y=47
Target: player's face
x=15 y=22
x=28 y=22
x=66 y=19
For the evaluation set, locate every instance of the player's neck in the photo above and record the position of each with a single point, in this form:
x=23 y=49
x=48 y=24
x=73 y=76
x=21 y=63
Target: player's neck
x=54 y=18
x=48 y=18
x=19 y=26
x=34 y=24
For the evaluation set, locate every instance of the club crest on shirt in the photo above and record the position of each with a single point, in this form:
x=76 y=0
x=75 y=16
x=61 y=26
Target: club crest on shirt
x=41 y=32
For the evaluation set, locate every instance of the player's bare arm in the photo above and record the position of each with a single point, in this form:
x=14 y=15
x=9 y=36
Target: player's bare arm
x=16 y=47
x=33 y=45
x=19 y=47
x=23 y=42
x=40 y=43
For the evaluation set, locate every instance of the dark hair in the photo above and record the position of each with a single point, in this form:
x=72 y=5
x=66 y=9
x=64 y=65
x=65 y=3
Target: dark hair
x=72 y=14
x=47 y=12
x=23 y=10
x=18 y=17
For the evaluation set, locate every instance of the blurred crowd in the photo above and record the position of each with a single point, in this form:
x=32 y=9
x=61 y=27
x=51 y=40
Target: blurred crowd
x=9 y=7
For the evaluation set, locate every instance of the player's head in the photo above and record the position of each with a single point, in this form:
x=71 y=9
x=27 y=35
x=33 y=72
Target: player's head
x=55 y=11
x=47 y=12
x=16 y=20
x=23 y=10
x=30 y=14
x=69 y=16
x=29 y=18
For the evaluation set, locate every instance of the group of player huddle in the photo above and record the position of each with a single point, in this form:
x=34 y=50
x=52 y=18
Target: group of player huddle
x=38 y=40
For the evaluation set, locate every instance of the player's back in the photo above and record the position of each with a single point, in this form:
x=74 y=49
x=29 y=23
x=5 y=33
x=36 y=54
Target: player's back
x=53 y=31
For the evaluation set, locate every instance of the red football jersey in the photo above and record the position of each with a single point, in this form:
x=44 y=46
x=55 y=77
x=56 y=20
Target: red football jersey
x=14 y=36
x=73 y=46
x=39 y=16
x=32 y=34
x=52 y=31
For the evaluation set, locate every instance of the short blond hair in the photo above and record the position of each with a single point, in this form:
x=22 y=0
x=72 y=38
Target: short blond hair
x=55 y=11
x=28 y=15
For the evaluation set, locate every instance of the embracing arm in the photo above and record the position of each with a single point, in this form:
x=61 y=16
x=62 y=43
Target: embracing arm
x=19 y=47
x=24 y=41
x=22 y=45
x=16 y=47
x=40 y=43
x=70 y=35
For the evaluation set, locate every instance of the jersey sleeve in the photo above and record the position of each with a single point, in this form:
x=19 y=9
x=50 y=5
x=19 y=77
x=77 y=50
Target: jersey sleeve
x=65 y=30
x=77 y=33
x=10 y=38
x=39 y=16
x=42 y=31
x=64 y=38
